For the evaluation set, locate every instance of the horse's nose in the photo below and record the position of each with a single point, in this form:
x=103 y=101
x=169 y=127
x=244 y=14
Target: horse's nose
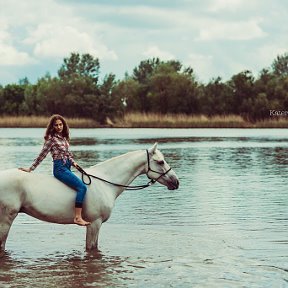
x=177 y=183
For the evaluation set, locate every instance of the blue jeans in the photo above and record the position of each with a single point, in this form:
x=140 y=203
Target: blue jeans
x=63 y=173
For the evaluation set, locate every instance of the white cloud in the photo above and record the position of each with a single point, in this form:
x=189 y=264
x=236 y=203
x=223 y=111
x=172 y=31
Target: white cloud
x=54 y=41
x=9 y=77
x=232 y=5
x=239 y=33
x=266 y=54
x=9 y=55
x=201 y=64
x=241 y=30
x=50 y=35
x=154 y=51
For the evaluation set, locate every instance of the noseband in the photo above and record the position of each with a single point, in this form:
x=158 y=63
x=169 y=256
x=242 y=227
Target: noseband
x=127 y=187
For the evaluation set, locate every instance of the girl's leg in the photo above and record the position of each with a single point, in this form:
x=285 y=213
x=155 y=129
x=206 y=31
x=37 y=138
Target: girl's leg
x=64 y=174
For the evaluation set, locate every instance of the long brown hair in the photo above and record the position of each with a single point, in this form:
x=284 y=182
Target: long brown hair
x=50 y=127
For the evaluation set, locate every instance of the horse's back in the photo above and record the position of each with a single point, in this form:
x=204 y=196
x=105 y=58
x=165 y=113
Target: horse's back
x=9 y=180
x=15 y=180
x=10 y=188
x=44 y=197
x=34 y=193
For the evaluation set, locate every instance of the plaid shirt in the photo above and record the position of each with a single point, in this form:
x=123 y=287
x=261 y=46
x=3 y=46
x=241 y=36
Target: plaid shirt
x=59 y=148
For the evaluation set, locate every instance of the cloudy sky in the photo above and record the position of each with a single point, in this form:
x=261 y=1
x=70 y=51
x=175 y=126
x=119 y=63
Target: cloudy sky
x=214 y=37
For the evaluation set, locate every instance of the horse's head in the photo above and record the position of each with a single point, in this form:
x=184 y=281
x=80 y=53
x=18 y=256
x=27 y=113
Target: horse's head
x=159 y=170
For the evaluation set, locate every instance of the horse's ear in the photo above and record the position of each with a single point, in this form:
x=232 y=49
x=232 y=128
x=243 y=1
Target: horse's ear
x=153 y=148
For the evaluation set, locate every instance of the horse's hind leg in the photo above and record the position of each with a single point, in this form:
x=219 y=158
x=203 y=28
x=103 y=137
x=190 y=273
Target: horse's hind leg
x=7 y=215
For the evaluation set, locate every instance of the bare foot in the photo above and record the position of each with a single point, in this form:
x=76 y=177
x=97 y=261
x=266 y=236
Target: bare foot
x=81 y=222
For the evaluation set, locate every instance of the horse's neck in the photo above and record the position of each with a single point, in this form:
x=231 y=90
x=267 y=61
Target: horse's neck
x=122 y=169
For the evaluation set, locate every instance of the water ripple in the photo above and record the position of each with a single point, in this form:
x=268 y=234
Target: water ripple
x=226 y=226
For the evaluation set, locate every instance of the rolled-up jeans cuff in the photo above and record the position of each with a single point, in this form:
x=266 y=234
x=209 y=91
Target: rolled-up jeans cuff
x=78 y=205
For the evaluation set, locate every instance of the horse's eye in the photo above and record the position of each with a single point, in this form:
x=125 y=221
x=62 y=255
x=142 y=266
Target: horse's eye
x=160 y=162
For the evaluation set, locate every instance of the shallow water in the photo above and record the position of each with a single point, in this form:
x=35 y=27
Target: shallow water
x=226 y=226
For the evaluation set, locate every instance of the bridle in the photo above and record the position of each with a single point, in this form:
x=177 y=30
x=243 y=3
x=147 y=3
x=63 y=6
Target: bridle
x=149 y=169
x=127 y=187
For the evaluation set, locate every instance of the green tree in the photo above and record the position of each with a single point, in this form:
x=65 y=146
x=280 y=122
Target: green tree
x=216 y=98
x=31 y=104
x=280 y=65
x=142 y=75
x=162 y=87
x=145 y=69
x=77 y=65
x=242 y=86
x=275 y=88
x=127 y=91
x=1 y=100
x=172 y=91
x=49 y=96
x=109 y=103
x=80 y=95
x=258 y=107
x=79 y=88
x=12 y=99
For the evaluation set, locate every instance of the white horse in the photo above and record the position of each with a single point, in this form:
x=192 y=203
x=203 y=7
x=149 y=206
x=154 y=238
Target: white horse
x=46 y=198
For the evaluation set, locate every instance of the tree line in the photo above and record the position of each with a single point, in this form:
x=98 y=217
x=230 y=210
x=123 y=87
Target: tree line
x=153 y=86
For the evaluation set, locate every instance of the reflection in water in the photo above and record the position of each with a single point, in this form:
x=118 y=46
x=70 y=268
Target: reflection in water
x=84 y=141
x=91 y=270
x=87 y=158
x=225 y=227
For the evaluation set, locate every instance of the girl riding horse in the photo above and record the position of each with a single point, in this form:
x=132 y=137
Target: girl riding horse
x=57 y=143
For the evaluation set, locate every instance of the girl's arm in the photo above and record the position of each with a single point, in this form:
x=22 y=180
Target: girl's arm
x=46 y=148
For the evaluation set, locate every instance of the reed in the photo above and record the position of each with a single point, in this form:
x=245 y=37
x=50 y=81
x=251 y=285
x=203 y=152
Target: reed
x=41 y=121
x=272 y=123
x=149 y=120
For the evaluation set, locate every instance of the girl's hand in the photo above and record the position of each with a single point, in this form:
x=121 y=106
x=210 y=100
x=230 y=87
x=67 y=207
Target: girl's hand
x=25 y=169
x=75 y=164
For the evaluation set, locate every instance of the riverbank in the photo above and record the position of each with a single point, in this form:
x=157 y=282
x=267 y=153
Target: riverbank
x=41 y=121
x=148 y=120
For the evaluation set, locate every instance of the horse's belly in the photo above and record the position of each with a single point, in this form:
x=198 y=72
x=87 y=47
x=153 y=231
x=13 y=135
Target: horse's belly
x=49 y=200
x=52 y=214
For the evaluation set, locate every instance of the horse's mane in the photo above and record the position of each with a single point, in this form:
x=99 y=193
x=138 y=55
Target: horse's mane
x=113 y=159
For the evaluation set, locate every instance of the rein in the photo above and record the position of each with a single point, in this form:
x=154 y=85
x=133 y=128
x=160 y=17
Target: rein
x=127 y=187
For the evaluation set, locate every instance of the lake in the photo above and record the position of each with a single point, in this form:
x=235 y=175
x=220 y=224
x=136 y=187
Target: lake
x=226 y=225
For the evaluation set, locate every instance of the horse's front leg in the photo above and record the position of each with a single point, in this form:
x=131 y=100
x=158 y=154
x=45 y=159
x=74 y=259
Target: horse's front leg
x=7 y=215
x=92 y=234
